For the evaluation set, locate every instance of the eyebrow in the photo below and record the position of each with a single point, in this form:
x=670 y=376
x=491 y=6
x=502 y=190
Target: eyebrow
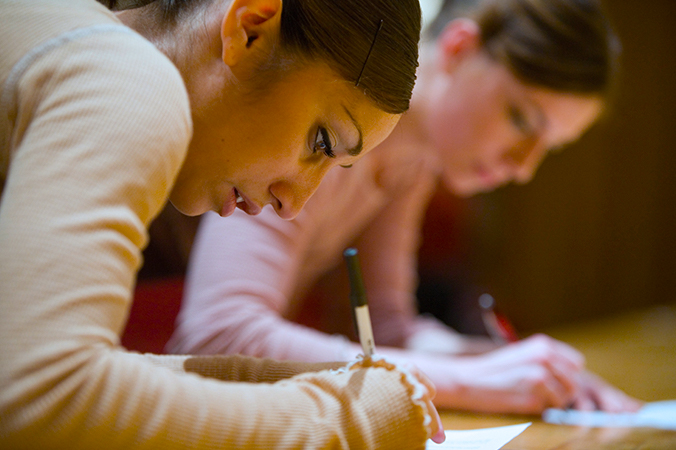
x=356 y=150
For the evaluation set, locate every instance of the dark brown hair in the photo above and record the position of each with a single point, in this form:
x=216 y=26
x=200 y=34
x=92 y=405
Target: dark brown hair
x=564 y=45
x=344 y=34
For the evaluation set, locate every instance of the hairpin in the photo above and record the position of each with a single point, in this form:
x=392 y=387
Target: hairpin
x=368 y=55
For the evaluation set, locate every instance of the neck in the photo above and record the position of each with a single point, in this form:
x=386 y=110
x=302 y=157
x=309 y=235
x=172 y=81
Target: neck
x=146 y=20
x=193 y=45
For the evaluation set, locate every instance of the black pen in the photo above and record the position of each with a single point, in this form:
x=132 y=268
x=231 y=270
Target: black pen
x=360 y=308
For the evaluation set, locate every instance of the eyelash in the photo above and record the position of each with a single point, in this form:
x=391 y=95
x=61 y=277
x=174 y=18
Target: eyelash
x=518 y=119
x=323 y=143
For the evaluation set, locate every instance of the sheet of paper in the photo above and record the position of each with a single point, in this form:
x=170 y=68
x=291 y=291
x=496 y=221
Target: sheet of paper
x=480 y=439
x=655 y=415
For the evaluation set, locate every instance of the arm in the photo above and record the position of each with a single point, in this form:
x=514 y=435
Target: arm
x=521 y=378
x=242 y=273
x=86 y=177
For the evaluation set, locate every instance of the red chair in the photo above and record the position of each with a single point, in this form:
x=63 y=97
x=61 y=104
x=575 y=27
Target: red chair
x=153 y=314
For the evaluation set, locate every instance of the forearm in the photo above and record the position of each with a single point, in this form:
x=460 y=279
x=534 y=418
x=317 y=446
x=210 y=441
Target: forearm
x=163 y=409
x=432 y=336
x=245 y=368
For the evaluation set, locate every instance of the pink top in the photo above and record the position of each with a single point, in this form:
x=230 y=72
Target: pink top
x=249 y=275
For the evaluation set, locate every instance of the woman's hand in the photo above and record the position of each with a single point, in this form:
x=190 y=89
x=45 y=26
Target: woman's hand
x=437 y=429
x=596 y=394
x=522 y=378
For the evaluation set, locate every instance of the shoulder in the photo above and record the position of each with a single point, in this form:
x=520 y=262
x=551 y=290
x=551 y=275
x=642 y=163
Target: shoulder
x=400 y=163
x=121 y=83
x=110 y=98
x=81 y=55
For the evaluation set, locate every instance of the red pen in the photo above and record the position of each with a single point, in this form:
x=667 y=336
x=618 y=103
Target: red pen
x=498 y=326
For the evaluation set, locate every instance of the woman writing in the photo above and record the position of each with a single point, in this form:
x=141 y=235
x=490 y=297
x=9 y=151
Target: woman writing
x=216 y=105
x=499 y=86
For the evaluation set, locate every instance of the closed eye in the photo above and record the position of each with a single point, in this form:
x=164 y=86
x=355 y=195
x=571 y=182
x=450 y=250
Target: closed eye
x=518 y=119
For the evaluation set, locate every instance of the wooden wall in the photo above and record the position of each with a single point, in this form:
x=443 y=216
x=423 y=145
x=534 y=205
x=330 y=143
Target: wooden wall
x=595 y=232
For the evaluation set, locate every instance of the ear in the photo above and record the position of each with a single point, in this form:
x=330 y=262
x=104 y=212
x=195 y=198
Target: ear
x=460 y=38
x=248 y=24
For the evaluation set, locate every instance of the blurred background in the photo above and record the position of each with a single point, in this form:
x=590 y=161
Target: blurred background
x=595 y=232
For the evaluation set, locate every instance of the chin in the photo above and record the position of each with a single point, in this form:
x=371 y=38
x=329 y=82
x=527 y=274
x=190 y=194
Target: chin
x=463 y=189
x=189 y=207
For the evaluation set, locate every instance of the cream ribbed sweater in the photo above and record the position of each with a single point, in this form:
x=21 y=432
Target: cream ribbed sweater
x=94 y=124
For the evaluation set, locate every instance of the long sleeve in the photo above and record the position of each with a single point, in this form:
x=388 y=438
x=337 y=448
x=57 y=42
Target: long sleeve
x=240 y=281
x=98 y=127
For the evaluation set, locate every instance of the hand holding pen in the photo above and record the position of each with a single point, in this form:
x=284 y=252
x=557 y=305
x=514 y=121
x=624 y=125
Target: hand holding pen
x=585 y=391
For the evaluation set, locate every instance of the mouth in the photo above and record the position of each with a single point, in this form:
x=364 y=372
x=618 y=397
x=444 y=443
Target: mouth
x=488 y=178
x=236 y=200
x=245 y=204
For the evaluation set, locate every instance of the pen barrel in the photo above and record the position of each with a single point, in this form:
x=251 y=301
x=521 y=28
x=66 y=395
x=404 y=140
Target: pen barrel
x=360 y=310
x=498 y=327
x=357 y=289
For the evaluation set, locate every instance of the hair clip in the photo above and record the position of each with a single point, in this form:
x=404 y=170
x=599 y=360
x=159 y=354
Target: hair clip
x=368 y=55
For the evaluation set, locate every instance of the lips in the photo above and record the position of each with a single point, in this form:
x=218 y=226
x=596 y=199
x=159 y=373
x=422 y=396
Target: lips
x=230 y=203
x=236 y=199
x=487 y=177
x=245 y=204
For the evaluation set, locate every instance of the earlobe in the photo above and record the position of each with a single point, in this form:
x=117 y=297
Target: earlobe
x=459 y=38
x=247 y=23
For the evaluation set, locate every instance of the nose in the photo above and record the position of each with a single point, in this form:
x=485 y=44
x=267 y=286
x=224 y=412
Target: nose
x=291 y=195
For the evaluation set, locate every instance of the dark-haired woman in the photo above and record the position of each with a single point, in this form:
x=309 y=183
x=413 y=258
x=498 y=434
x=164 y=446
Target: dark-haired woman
x=500 y=85
x=217 y=105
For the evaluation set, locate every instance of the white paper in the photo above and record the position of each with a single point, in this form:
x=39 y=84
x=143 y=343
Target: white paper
x=654 y=415
x=480 y=439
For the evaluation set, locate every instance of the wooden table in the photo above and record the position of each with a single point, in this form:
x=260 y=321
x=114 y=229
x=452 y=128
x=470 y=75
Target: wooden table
x=635 y=351
x=544 y=436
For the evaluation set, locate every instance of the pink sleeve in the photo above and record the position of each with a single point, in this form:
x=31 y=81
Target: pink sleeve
x=388 y=254
x=242 y=273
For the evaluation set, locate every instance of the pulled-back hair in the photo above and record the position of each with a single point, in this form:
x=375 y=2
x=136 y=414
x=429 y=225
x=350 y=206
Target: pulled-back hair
x=371 y=43
x=564 y=45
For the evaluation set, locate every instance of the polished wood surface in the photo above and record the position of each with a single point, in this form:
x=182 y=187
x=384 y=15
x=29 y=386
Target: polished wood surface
x=635 y=351
x=544 y=436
